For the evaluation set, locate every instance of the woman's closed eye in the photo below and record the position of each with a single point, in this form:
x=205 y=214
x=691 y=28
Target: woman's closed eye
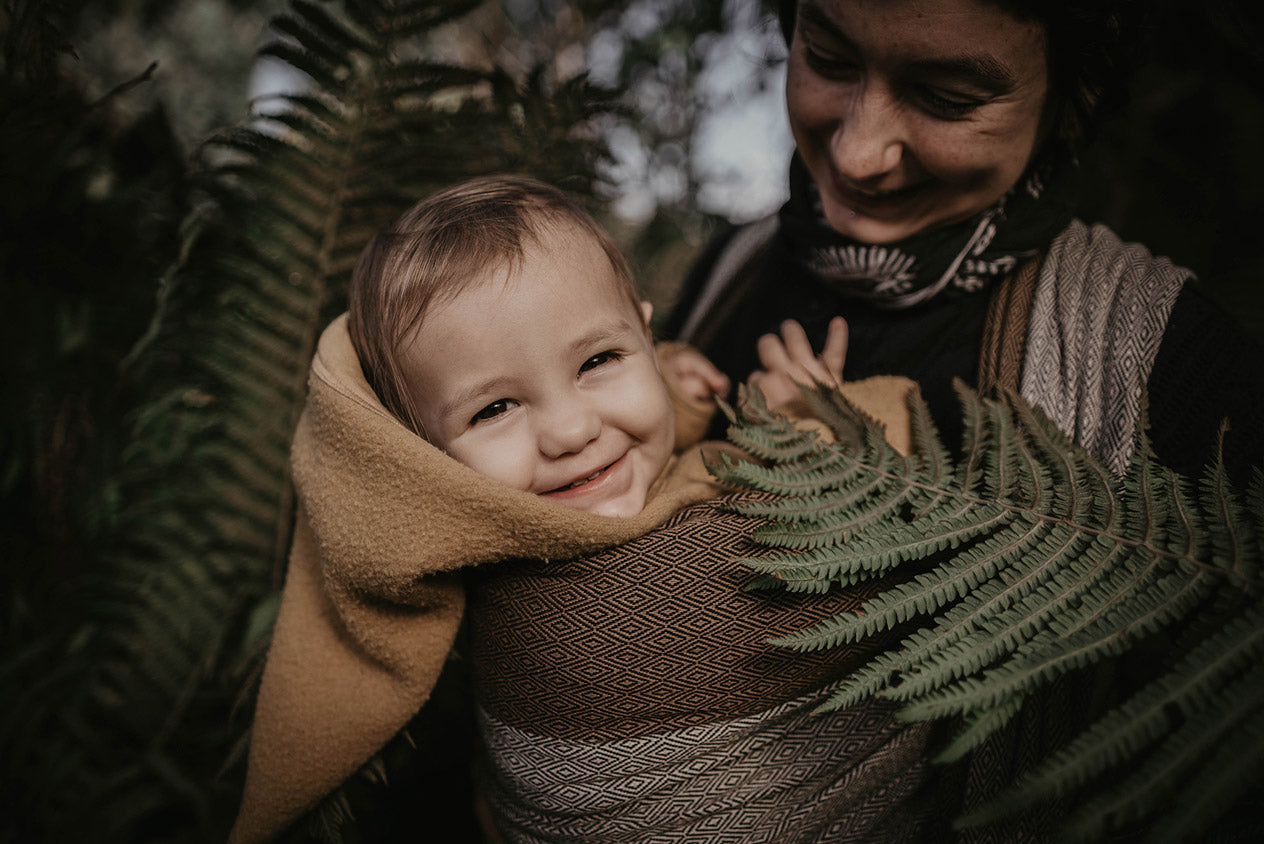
x=945 y=104
x=830 y=65
x=600 y=359
x=496 y=408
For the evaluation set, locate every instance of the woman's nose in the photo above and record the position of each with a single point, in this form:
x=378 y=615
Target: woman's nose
x=867 y=143
x=567 y=426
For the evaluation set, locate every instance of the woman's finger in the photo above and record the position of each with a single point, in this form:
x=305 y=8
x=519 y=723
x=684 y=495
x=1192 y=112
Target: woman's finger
x=834 y=355
x=772 y=354
x=798 y=346
x=827 y=367
x=777 y=388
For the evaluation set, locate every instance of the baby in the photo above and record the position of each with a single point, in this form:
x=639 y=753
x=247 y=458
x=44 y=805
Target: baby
x=499 y=321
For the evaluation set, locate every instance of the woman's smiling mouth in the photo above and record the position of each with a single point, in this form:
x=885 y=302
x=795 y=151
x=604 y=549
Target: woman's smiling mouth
x=866 y=198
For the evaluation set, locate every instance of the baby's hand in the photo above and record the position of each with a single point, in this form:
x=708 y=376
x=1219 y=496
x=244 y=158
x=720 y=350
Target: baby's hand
x=690 y=373
x=788 y=361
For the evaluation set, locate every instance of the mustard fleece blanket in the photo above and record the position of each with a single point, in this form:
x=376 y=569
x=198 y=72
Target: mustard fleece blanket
x=373 y=595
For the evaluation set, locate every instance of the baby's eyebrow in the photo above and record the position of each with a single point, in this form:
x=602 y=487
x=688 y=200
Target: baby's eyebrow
x=605 y=332
x=461 y=399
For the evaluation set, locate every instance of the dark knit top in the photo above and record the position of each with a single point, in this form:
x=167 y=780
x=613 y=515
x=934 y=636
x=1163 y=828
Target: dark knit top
x=1208 y=368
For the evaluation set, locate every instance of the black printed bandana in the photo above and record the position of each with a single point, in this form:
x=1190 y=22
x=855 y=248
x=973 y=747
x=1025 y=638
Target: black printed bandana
x=951 y=260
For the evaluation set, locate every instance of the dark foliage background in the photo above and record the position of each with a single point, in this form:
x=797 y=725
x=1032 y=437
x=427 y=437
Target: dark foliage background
x=1179 y=168
x=144 y=508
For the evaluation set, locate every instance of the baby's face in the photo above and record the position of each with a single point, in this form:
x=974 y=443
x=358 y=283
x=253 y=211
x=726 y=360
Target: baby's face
x=547 y=382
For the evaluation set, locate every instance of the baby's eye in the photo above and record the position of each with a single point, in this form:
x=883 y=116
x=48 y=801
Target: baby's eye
x=493 y=410
x=599 y=360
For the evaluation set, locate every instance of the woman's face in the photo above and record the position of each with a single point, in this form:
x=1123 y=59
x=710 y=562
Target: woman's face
x=913 y=114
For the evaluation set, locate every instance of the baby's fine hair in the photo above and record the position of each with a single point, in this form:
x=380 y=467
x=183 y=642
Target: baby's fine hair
x=438 y=248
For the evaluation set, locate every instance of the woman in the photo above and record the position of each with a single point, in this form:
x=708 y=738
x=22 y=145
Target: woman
x=932 y=199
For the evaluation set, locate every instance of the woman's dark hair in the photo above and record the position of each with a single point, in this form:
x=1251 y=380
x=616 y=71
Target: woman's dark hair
x=1090 y=46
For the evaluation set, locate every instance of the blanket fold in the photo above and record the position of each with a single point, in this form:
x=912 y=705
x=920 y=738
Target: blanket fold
x=373 y=597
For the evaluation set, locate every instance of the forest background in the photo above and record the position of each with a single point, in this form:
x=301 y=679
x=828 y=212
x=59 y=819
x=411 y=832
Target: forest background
x=170 y=249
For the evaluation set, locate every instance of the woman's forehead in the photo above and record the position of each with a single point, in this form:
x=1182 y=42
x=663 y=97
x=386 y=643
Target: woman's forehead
x=924 y=20
x=970 y=36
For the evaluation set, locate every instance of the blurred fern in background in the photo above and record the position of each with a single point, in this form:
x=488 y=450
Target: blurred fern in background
x=147 y=436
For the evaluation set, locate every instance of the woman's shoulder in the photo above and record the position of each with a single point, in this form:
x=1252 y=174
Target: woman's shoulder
x=1207 y=374
x=1203 y=364
x=1090 y=254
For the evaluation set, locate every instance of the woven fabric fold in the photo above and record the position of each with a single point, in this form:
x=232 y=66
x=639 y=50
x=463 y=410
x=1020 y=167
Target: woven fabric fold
x=1097 y=319
x=785 y=775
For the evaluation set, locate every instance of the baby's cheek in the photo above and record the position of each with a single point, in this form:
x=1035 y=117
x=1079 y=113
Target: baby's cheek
x=502 y=458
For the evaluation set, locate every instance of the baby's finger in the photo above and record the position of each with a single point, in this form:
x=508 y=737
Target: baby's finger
x=834 y=355
x=717 y=381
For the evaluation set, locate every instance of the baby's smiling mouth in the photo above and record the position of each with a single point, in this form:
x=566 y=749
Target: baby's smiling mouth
x=581 y=481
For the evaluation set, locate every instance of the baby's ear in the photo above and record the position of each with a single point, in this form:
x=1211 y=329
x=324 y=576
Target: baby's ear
x=647 y=311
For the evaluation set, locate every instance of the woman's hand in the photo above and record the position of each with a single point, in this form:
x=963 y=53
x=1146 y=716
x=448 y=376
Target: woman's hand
x=788 y=361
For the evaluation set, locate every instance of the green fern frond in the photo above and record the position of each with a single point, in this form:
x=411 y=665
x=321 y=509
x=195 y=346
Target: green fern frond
x=928 y=449
x=784 y=444
x=799 y=478
x=861 y=557
x=850 y=514
x=778 y=441
x=1143 y=720
x=1208 y=761
x=865 y=682
x=851 y=426
x=1235 y=544
x=1030 y=561
x=974 y=438
x=1255 y=500
x=920 y=597
x=979 y=726
x=1224 y=776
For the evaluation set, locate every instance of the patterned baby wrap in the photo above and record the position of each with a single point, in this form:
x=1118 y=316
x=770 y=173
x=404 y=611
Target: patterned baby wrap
x=632 y=696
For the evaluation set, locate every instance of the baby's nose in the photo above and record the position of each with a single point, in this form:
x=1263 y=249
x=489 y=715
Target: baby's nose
x=567 y=428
